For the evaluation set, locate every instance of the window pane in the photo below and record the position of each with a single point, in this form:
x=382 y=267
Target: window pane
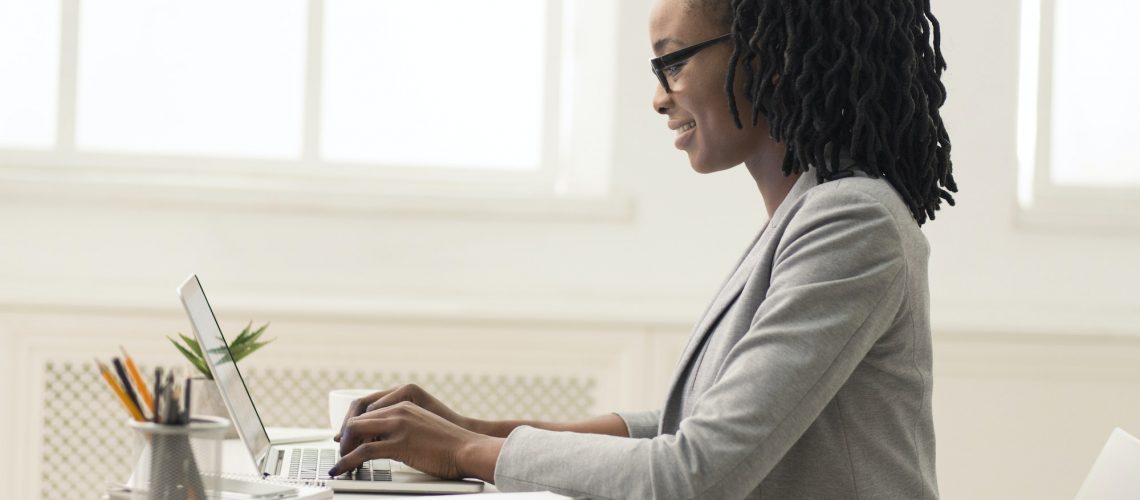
x=29 y=71
x=1095 y=133
x=434 y=82
x=211 y=77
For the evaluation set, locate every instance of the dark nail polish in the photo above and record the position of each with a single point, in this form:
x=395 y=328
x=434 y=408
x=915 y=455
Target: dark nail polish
x=332 y=472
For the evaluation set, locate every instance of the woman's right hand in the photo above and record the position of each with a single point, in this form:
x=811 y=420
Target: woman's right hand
x=411 y=393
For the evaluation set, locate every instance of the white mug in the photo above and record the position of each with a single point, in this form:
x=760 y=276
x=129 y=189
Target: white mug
x=339 y=401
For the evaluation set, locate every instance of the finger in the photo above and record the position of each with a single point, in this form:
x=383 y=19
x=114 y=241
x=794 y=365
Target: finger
x=356 y=408
x=363 y=453
x=363 y=430
x=398 y=409
x=406 y=392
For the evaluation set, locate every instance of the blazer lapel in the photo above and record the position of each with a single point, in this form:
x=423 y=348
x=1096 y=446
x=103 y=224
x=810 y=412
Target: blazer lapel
x=732 y=288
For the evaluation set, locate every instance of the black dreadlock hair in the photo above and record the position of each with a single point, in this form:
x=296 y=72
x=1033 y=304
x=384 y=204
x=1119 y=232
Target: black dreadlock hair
x=860 y=78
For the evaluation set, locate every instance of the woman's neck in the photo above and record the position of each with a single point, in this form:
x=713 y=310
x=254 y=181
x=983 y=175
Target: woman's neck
x=766 y=169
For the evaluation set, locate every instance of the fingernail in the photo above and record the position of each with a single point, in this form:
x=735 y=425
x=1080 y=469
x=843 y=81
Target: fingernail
x=332 y=472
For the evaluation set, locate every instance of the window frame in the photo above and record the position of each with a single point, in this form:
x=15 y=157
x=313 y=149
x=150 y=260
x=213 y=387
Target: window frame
x=575 y=180
x=1043 y=203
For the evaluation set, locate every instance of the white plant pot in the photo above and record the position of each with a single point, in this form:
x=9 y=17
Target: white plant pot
x=206 y=399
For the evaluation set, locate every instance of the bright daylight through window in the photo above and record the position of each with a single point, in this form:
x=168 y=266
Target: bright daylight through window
x=1094 y=137
x=29 y=53
x=397 y=85
x=1077 y=124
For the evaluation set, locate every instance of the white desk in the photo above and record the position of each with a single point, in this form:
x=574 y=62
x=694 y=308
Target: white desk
x=236 y=459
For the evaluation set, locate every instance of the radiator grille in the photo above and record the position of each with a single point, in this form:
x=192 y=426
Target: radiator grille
x=83 y=424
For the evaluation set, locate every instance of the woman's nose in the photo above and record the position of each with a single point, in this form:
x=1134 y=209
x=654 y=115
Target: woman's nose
x=662 y=100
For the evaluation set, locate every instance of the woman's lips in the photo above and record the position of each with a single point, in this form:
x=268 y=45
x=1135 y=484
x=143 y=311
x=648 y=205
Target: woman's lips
x=684 y=134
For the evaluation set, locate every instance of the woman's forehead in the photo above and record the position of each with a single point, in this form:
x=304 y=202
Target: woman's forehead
x=677 y=23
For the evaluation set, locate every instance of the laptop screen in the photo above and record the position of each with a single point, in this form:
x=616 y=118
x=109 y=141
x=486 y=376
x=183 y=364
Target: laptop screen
x=224 y=370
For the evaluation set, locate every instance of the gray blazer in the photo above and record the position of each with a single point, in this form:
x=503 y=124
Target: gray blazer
x=809 y=377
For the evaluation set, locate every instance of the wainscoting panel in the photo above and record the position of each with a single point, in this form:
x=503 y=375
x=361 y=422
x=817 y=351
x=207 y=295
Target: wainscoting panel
x=1017 y=416
x=67 y=416
x=1024 y=416
x=83 y=424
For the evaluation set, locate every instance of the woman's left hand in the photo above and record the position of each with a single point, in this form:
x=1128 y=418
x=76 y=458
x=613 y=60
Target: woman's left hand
x=419 y=438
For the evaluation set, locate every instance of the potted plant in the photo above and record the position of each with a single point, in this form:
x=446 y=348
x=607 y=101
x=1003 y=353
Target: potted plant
x=206 y=398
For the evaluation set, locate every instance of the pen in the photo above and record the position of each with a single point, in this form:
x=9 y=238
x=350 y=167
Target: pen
x=157 y=409
x=186 y=404
x=144 y=394
x=168 y=398
x=106 y=372
x=127 y=384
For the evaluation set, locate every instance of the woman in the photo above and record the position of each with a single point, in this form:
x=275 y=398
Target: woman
x=810 y=374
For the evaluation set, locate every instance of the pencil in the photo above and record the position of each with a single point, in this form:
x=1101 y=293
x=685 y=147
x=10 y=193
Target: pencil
x=157 y=395
x=135 y=413
x=186 y=405
x=134 y=371
x=127 y=384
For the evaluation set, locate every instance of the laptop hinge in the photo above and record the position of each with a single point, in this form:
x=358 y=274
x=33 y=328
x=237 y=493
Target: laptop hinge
x=279 y=462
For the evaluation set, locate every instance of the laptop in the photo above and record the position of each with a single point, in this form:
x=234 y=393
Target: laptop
x=299 y=462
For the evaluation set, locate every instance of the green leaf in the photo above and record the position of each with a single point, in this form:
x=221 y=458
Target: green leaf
x=257 y=333
x=250 y=349
x=193 y=344
x=197 y=361
x=234 y=352
x=242 y=346
x=243 y=337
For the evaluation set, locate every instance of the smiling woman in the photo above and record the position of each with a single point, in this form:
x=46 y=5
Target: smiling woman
x=691 y=70
x=809 y=376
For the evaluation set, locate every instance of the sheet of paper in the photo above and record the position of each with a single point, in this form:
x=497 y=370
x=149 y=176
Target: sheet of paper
x=533 y=495
x=282 y=435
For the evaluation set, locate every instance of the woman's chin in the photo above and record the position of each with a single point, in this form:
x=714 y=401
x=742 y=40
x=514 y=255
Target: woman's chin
x=703 y=167
x=697 y=164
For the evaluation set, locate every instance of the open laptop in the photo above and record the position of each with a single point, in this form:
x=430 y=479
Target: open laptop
x=303 y=462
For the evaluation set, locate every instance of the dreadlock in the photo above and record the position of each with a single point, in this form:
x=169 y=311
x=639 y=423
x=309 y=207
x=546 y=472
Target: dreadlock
x=859 y=78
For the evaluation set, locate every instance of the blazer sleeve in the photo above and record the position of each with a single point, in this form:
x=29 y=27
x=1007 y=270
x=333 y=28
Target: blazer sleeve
x=837 y=284
x=641 y=424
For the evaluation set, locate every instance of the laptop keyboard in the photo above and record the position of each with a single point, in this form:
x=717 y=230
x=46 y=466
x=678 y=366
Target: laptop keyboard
x=314 y=463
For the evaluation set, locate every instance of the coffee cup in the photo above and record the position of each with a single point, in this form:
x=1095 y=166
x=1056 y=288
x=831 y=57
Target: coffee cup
x=339 y=402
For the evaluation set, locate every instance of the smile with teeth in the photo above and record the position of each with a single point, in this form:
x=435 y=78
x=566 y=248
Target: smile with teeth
x=686 y=127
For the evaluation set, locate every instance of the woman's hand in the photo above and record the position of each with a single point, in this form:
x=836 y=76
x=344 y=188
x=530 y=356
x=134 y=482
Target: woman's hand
x=419 y=438
x=411 y=393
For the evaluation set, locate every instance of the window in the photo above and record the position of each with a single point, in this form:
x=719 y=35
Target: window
x=493 y=93
x=478 y=86
x=29 y=44
x=209 y=77
x=1077 y=137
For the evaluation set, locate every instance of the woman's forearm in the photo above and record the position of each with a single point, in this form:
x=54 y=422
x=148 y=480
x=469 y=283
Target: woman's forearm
x=611 y=425
x=478 y=457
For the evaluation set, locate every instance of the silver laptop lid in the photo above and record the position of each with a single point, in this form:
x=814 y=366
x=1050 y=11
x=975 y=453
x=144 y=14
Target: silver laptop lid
x=224 y=370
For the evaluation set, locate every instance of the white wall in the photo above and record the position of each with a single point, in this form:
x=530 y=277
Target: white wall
x=1037 y=327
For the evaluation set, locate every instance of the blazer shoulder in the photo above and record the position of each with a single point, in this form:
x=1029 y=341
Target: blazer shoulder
x=861 y=191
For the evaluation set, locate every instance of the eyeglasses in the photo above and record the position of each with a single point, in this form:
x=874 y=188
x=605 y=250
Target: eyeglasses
x=673 y=59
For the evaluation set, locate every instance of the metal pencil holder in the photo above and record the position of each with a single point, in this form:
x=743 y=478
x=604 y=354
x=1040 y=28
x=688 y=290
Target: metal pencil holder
x=177 y=462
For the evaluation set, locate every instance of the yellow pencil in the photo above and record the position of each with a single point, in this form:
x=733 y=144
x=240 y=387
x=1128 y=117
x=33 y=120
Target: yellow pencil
x=143 y=392
x=135 y=413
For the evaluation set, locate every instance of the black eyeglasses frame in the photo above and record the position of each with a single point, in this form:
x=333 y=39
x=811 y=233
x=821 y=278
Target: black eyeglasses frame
x=660 y=64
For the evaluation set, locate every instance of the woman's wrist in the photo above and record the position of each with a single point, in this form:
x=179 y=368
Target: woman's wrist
x=478 y=426
x=493 y=428
x=477 y=457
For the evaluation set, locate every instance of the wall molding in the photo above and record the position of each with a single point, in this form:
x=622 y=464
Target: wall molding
x=538 y=308
x=674 y=312
x=138 y=185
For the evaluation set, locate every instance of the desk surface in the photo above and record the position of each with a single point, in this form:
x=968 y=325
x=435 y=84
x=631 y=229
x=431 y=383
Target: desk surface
x=235 y=459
